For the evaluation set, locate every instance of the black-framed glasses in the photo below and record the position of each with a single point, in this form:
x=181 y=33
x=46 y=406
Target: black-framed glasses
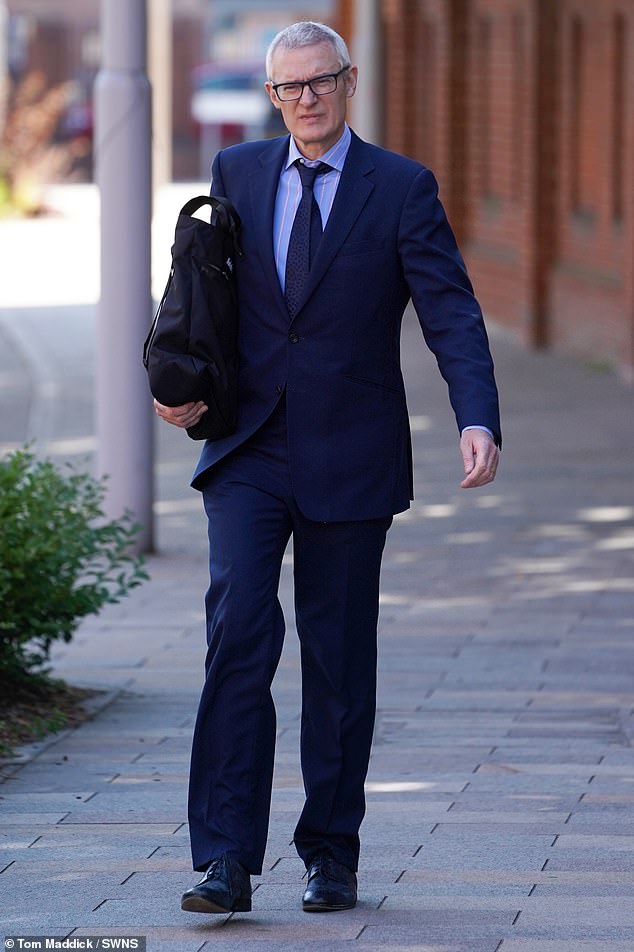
x=318 y=85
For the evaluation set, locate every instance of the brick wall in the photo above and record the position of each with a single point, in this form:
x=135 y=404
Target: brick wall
x=187 y=40
x=503 y=128
x=524 y=109
x=592 y=304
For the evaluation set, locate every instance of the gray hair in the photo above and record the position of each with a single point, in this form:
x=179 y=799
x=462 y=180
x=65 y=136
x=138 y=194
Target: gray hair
x=307 y=33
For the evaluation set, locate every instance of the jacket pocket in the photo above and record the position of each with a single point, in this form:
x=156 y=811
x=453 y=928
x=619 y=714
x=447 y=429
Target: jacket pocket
x=364 y=247
x=374 y=384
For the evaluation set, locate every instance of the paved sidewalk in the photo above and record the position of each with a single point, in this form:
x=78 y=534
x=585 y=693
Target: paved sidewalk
x=501 y=787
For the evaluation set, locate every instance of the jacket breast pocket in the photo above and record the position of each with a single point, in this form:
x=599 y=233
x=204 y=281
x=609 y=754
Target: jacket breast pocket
x=367 y=246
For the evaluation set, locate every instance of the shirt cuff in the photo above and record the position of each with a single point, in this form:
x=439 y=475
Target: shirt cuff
x=476 y=426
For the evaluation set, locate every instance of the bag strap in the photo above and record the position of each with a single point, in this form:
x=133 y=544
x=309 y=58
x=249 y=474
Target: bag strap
x=229 y=218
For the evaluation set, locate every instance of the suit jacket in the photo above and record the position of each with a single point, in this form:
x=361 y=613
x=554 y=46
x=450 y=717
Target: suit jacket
x=387 y=239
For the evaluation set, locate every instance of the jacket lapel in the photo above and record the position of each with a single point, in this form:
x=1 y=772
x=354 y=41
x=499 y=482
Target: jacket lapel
x=353 y=191
x=263 y=183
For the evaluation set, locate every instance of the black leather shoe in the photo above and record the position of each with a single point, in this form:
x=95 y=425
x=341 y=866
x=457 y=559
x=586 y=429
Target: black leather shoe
x=331 y=886
x=225 y=887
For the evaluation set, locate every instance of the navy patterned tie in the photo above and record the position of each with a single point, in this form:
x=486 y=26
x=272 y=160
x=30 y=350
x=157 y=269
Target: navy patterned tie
x=305 y=236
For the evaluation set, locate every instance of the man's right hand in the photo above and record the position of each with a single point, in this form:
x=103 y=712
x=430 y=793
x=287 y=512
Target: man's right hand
x=188 y=414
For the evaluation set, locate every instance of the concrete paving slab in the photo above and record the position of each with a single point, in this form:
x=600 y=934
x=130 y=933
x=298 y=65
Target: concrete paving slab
x=30 y=819
x=236 y=932
x=473 y=798
x=596 y=913
x=16 y=838
x=595 y=841
x=604 y=824
x=563 y=945
x=141 y=813
x=569 y=931
x=439 y=926
x=270 y=923
x=531 y=878
x=505 y=819
x=592 y=859
x=509 y=858
x=121 y=853
x=524 y=782
x=445 y=888
x=451 y=904
x=587 y=890
x=557 y=754
x=26 y=802
x=155 y=942
x=78 y=863
x=511 y=829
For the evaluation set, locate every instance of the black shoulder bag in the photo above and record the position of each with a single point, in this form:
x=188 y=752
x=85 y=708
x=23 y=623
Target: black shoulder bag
x=191 y=351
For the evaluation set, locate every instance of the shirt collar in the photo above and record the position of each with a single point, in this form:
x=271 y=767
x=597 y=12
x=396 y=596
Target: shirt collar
x=335 y=156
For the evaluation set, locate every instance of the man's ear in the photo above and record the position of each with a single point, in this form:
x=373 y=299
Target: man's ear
x=269 y=88
x=351 y=81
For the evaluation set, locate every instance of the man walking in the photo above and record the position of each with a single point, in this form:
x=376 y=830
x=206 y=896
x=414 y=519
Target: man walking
x=338 y=235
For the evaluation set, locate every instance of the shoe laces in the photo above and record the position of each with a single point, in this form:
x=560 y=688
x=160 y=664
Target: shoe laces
x=219 y=866
x=213 y=870
x=325 y=865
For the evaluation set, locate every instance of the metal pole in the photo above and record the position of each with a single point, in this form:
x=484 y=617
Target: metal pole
x=123 y=173
x=366 y=52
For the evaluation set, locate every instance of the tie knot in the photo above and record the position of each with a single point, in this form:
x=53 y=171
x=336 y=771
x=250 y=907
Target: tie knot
x=308 y=173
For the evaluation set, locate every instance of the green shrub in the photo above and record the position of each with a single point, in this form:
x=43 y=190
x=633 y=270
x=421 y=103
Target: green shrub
x=60 y=559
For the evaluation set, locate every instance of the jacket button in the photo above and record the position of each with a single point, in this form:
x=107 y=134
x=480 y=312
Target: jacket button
x=294 y=338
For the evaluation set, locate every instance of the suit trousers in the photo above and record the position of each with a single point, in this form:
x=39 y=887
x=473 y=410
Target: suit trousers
x=252 y=514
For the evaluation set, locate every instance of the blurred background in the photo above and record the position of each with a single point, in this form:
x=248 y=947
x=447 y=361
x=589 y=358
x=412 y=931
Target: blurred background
x=524 y=109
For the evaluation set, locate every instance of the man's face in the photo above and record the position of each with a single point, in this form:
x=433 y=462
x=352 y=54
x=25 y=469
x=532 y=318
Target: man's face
x=315 y=122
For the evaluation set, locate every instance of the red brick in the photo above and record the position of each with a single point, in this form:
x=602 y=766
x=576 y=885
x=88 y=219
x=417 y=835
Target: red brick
x=524 y=109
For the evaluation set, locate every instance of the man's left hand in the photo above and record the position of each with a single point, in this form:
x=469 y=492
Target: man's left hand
x=480 y=456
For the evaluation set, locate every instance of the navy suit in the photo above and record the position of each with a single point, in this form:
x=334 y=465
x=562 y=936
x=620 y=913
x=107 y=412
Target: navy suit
x=322 y=452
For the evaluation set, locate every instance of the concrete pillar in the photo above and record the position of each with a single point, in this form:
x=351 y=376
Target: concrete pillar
x=123 y=173
x=366 y=52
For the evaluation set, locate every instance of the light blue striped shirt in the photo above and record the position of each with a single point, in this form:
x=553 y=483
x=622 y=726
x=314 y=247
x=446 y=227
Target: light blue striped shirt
x=289 y=193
